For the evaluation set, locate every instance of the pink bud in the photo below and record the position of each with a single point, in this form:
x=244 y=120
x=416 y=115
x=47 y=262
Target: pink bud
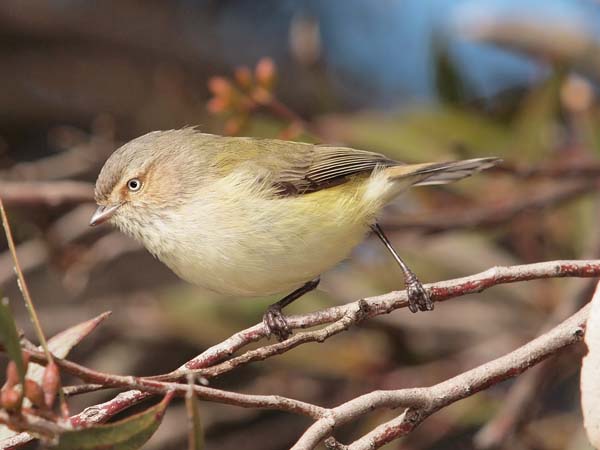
x=50 y=383
x=34 y=393
x=216 y=105
x=10 y=398
x=265 y=73
x=220 y=86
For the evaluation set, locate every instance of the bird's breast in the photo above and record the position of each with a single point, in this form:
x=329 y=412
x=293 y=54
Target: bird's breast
x=243 y=243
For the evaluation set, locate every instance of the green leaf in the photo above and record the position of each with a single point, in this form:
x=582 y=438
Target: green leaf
x=128 y=434
x=10 y=337
x=196 y=434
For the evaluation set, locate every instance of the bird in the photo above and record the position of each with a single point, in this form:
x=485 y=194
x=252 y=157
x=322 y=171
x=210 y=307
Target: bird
x=250 y=217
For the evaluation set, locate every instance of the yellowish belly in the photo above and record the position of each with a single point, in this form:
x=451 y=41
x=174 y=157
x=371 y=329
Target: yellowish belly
x=261 y=246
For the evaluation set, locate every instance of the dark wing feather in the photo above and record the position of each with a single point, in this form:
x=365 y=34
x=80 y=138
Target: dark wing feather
x=325 y=166
x=293 y=168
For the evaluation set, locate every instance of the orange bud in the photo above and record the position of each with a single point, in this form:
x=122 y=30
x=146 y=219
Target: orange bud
x=265 y=73
x=216 y=105
x=10 y=398
x=220 y=86
x=12 y=374
x=50 y=383
x=261 y=96
x=34 y=393
x=243 y=77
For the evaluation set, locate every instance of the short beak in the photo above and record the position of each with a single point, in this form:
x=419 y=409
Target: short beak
x=103 y=213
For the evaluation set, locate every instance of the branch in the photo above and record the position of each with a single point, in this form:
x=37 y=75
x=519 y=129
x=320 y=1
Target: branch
x=560 y=168
x=346 y=315
x=422 y=402
x=153 y=386
x=489 y=216
x=52 y=193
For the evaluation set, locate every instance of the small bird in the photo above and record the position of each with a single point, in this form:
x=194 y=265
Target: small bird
x=252 y=217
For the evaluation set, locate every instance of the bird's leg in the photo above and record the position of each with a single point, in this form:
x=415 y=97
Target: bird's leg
x=418 y=297
x=274 y=319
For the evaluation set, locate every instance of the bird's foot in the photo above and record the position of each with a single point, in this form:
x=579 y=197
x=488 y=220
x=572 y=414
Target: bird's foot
x=276 y=323
x=418 y=297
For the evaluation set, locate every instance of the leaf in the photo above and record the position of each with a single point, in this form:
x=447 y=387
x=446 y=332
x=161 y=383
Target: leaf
x=61 y=344
x=196 y=434
x=590 y=374
x=10 y=337
x=12 y=343
x=128 y=434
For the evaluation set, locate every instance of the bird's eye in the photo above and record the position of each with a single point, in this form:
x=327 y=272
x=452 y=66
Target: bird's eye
x=134 y=185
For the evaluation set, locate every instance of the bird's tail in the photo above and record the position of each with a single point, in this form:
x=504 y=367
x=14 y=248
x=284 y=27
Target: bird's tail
x=439 y=173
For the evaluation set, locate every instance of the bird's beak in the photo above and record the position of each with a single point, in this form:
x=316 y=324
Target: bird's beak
x=103 y=213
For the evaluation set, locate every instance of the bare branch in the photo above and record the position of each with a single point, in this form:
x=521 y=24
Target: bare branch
x=563 y=168
x=351 y=313
x=422 y=402
x=491 y=215
x=51 y=193
x=181 y=389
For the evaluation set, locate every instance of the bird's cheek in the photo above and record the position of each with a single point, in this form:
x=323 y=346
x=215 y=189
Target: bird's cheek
x=135 y=213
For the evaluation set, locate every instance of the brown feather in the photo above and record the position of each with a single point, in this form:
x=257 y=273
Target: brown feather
x=327 y=166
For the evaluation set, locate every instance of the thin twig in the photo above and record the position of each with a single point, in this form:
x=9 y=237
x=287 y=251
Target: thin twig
x=491 y=215
x=180 y=389
x=556 y=169
x=22 y=284
x=51 y=193
x=28 y=302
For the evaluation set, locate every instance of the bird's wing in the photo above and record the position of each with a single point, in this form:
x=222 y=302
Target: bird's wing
x=330 y=166
x=294 y=168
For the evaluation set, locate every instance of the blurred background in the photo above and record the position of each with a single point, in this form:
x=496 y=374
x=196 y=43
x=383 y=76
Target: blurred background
x=417 y=80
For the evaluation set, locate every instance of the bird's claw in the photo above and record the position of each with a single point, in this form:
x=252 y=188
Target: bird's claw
x=276 y=323
x=418 y=297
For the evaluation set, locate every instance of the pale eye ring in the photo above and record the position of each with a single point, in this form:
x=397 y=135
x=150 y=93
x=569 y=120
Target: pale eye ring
x=134 y=185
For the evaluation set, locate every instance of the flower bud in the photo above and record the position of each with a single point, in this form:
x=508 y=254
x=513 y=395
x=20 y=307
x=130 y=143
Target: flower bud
x=216 y=105
x=220 y=87
x=265 y=73
x=50 y=383
x=35 y=394
x=10 y=398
